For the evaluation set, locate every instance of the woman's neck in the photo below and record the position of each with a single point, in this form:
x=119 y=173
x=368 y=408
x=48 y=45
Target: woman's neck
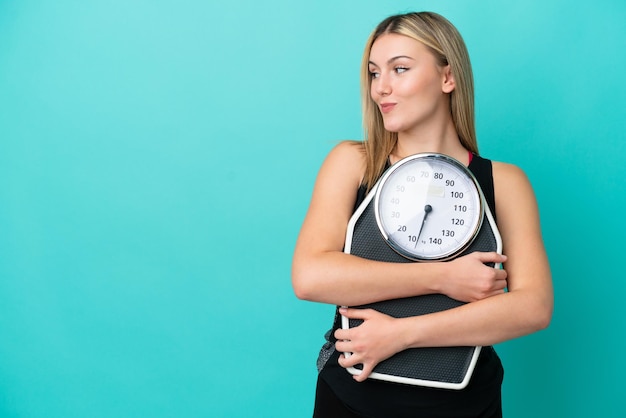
x=442 y=139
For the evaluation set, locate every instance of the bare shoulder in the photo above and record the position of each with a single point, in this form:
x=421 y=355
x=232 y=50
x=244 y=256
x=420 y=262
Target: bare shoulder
x=511 y=184
x=516 y=206
x=348 y=153
x=508 y=172
x=333 y=200
x=345 y=163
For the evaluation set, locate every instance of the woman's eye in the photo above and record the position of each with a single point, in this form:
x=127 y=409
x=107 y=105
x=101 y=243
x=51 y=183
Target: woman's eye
x=374 y=74
x=401 y=70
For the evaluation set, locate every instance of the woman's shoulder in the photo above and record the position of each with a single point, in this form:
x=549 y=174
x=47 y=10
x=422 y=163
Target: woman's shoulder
x=347 y=158
x=506 y=173
x=349 y=150
x=512 y=187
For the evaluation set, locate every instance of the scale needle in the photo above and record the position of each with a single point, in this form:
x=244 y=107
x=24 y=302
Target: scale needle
x=427 y=210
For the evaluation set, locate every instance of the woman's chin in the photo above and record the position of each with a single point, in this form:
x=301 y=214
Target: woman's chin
x=391 y=127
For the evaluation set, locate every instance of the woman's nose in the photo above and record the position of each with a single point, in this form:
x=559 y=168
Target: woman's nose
x=383 y=87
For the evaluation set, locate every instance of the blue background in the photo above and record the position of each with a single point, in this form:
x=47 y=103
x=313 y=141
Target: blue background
x=157 y=159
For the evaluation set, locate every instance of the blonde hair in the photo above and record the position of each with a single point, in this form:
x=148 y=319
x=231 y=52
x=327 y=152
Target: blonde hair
x=447 y=45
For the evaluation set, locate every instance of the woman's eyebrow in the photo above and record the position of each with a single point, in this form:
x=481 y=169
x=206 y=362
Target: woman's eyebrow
x=392 y=59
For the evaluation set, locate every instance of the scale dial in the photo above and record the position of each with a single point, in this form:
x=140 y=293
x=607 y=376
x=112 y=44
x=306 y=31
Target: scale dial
x=428 y=207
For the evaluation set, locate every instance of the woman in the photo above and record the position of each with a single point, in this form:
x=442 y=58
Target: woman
x=418 y=97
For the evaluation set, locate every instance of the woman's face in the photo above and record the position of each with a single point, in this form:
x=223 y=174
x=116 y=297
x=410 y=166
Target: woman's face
x=407 y=84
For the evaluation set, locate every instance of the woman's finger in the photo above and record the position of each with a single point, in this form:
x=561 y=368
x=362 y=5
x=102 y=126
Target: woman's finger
x=354 y=313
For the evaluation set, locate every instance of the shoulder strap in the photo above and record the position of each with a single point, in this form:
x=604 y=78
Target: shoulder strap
x=362 y=191
x=482 y=170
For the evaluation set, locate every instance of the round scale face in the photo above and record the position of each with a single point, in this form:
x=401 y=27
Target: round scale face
x=428 y=207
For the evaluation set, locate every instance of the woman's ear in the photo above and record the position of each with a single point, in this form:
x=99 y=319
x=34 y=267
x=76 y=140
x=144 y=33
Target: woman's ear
x=447 y=82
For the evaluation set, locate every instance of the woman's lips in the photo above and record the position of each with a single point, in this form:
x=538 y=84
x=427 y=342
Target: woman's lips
x=387 y=107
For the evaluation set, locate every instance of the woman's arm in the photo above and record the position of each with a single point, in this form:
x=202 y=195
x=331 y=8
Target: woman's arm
x=322 y=272
x=525 y=308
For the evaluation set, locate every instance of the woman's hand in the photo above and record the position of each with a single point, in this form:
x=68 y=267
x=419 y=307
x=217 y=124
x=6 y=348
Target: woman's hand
x=470 y=279
x=379 y=337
